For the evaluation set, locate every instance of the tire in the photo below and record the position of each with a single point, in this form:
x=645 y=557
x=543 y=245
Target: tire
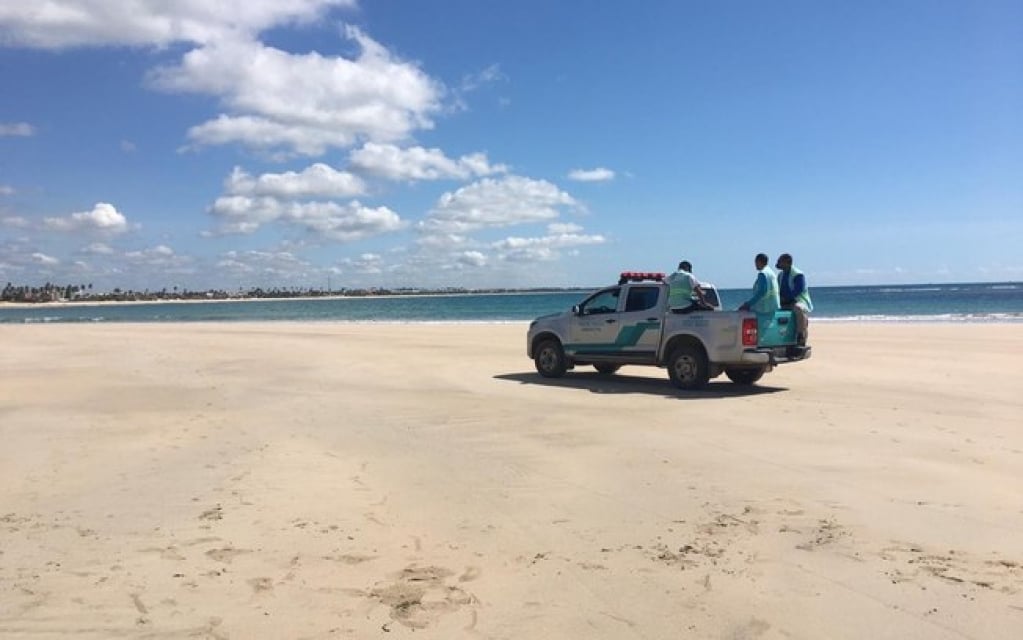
x=688 y=368
x=607 y=369
x=744 y=376
x=550 y=359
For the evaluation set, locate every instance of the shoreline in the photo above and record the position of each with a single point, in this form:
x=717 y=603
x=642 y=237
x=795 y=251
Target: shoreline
x=957 y=304
x=993 y=319
x=98 y=303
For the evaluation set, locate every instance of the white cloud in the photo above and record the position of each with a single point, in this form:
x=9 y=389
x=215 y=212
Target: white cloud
x=44 y=260
x=599 y=174
x=542 y=248
x=496 y=203
x=269 y=263
x=473 y=81
x=441 y=240
x=343 y=223
x=6 y=190
x=57 y=24
x=97 y=249
x=317 y=180
x=242 y=214
x=558 y=228
x=329 y=220
x=366 y=263
x=472 y=259
x=417 y=163
x=304 y=103
x=15 y=222
x=103 y=217
x=159 y=252
x=162 y=258
x=16 y=129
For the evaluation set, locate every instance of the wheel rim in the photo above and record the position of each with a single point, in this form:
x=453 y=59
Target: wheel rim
x=685 y=368
x=548 y=359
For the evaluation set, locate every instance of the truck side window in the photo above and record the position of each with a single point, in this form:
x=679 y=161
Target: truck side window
x=641 y=298
x=603 y=302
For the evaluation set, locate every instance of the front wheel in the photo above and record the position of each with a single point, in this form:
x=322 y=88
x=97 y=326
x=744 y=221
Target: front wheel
x=550 y=359
x=607 y=369
x=744 y=376
x=688 y=368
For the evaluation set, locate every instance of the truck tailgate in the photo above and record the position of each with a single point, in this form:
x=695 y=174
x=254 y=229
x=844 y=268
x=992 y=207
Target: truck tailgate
x=776 y=330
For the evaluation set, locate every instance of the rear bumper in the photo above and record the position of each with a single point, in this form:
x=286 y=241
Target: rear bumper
x=772 y=356
x=753 y=356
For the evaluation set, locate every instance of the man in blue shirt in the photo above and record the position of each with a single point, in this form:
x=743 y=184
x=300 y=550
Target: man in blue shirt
x=794 y=295
x=765 y=289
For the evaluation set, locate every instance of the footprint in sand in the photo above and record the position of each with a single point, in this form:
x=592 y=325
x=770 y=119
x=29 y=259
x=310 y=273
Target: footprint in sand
x=166 y=553
x=136 y=599
x=261 y=584
x=953 y=568
x=350 y=558
x=418 y=596
x=226 y=554
x=826 y=532
x=470 y=574
x=216 y=513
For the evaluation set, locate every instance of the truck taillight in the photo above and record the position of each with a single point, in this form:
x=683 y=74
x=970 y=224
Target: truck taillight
x=749 y=332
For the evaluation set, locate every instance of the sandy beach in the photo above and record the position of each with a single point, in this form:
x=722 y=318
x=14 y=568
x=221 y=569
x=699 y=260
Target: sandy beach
x=378 y=481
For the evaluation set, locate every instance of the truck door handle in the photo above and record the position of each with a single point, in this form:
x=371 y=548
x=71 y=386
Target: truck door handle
x=610 y=321
x=651 y=319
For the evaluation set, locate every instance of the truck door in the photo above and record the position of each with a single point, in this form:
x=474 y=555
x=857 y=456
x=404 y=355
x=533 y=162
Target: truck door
x=640 y=319
x=624 y=319
x=595 y=323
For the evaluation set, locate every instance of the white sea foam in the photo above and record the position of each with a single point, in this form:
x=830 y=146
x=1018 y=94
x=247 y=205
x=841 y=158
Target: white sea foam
x=932 y=318
x=915 y=289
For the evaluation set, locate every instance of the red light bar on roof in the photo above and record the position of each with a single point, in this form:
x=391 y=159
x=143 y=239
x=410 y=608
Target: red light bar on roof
x=639 y=276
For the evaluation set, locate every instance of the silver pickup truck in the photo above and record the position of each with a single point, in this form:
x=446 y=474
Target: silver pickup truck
x=630 y=323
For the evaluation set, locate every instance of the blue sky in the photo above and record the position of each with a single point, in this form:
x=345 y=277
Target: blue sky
x=150 y=144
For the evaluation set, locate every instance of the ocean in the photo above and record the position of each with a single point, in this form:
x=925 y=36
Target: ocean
x=983 y=302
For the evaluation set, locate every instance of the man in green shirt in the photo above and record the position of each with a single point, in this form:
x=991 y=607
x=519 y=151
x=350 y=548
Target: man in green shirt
x=684 y=292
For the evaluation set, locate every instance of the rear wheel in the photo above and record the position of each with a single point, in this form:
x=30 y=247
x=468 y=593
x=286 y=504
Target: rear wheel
x=744 y=376
x=550 y=359
x=687 y=367
x=607 y=369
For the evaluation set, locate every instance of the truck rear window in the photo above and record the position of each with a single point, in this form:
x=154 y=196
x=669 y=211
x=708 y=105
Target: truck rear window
x=711 y=296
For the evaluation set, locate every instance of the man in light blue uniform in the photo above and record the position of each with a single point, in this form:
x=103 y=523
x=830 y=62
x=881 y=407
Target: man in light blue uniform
x=765 y=290
x=795 y=295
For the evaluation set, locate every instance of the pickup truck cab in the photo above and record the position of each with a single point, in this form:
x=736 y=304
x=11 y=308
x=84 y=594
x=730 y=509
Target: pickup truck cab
x=630 y=323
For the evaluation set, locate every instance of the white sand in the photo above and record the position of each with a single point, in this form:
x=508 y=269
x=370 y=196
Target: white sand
x=345 y=481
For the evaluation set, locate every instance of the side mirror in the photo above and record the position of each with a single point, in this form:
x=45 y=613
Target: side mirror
x=575 y=309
